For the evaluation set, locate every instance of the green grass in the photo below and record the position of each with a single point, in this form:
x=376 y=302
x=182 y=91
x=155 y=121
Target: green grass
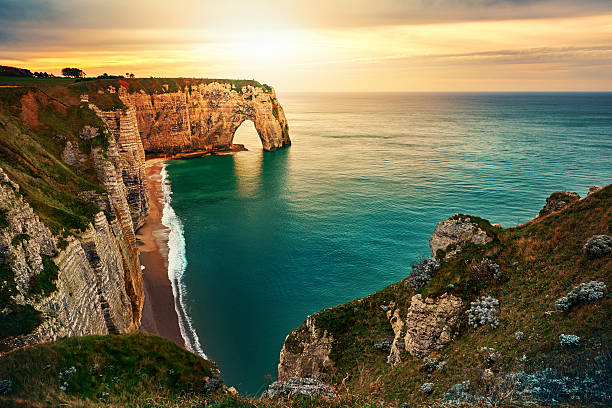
x=540 y=261
x=131 y=368
x=19 y=238
x=30 y=154
x=44 y=283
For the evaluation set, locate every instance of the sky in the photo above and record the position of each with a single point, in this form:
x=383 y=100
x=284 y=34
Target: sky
x=322 y=45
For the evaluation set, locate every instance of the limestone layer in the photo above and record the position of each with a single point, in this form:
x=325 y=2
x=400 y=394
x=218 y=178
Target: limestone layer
x=204 y=117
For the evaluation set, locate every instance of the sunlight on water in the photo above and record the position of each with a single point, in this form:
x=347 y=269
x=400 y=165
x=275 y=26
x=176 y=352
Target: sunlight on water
x=271 y=237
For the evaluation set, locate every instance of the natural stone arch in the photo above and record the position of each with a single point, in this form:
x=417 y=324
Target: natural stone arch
x=245 y=134
x=205 y=116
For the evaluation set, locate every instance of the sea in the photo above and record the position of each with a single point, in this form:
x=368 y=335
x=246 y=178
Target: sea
x=260 y=240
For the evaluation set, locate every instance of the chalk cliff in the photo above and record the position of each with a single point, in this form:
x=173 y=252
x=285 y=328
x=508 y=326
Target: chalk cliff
x=73 y=191
x=205 y=116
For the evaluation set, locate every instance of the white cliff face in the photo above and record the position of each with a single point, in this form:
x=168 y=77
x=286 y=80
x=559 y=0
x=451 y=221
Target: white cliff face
x=93 y=278
x=306 y=353
x=89 y=298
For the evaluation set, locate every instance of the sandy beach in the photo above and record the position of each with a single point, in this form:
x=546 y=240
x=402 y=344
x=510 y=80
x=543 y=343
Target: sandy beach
x=158 y=315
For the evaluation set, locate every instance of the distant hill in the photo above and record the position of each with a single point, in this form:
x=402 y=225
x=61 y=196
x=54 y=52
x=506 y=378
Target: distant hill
x=15 y=72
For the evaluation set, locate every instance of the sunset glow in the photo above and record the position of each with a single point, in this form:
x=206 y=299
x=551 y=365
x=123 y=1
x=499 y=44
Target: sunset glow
x=312 y=46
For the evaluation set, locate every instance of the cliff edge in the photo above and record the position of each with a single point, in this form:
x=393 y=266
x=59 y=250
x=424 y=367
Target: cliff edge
x=73 y=189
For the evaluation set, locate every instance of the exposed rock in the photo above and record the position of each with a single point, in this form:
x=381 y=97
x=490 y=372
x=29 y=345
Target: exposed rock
x=454 y=231
x=90 y=297
x=598 y=246
x=206 y=116
x=429 y=323
x=399 y=330
x=558 y=201
x=305 y=353
x=72 y=155
x=594 y=189
x=129 y=160
x=309 y=387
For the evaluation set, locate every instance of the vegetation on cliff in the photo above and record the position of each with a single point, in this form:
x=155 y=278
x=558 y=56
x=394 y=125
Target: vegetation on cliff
x=35 y=129
x=524 y=270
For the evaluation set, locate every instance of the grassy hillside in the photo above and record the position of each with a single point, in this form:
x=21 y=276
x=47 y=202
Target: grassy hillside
x=102 y=371
x=540 y=262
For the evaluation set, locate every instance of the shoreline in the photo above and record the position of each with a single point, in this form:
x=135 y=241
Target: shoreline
x=159 y=315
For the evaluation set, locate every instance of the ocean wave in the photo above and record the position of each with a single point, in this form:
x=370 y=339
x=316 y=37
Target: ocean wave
x=177 y=264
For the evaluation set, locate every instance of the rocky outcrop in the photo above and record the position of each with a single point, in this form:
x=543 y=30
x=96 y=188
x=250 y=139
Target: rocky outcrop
x=427 y=327
x=558 y=201
x=453 y=231
x=205 y=116
x=130 y=164
x=305 y=353
x=87 y=293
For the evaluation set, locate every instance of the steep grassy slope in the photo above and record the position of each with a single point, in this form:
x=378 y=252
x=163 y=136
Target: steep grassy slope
x=102 y=370
x=540 y=261
x=34 y=128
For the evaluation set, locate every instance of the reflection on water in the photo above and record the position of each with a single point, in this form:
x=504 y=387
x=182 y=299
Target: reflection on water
x=274 y=236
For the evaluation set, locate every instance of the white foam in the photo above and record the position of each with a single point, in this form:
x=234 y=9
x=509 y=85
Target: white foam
x=177 y=263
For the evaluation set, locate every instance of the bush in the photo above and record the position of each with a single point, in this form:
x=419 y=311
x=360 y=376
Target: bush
x=583 y=293
x=422 y=273
x=485 y=269
x=481 y=312
x=569 y=340
x=598 y=246
x=427 y=388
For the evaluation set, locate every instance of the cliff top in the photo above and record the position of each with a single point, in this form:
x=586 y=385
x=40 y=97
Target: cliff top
x=69 y=89
x=525 y=270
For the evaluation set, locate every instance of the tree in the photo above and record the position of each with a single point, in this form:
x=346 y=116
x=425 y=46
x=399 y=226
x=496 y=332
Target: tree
x=73 y=72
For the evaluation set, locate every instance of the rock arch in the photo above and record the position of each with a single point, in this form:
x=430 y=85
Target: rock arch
x=205 y=116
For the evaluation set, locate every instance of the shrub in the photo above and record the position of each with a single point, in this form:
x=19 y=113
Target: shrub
x=4 y=218
x=459 y=393
x=427 y=388
x=598 y=246
x=485 y=269
x=583 y=293
x=482 y=312
x=422 y=273
x=5 y=387
x=490 y=355
x=569 y=340
x=19 y=238
x=44 y=282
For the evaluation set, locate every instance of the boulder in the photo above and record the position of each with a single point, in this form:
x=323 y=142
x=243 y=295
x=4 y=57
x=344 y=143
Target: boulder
x=456 y=230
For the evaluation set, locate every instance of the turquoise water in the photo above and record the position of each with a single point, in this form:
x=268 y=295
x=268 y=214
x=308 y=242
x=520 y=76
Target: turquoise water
x=272 y=237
